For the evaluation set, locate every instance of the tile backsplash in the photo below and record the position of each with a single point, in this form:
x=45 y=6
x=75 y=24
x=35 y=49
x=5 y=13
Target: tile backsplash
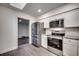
x=72 y=31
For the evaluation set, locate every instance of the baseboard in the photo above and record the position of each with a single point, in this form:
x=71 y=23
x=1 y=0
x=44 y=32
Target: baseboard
x=44 y=47
x=8 y=49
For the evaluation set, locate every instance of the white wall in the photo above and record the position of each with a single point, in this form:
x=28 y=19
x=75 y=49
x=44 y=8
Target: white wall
x=23 y=30
x=9 y=28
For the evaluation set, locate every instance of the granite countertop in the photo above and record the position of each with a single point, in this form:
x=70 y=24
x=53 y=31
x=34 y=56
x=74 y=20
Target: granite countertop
x=71 y=37
x=67 y=36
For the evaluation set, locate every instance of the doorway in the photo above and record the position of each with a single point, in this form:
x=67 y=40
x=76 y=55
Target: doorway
x=23 y=31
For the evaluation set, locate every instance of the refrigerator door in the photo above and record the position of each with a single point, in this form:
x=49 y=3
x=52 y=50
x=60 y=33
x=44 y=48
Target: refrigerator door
x=36 y=40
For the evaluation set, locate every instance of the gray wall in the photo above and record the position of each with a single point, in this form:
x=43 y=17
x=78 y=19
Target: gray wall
x=23 y=30
x=9 y=28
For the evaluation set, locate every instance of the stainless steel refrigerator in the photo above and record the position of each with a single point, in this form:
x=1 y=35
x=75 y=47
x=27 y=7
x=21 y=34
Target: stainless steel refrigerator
x=36 y=34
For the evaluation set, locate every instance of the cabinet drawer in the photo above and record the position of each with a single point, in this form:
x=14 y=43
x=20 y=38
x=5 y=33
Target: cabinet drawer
x=70 y=41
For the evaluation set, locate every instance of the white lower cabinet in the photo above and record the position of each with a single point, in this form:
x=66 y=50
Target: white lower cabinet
x=69 y=50
x=78 y=47
x=44 y=41
x=69 y=47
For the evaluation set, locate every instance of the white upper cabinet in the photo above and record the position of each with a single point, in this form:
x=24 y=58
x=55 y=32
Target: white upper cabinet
x=46 y=23
x=71 y=18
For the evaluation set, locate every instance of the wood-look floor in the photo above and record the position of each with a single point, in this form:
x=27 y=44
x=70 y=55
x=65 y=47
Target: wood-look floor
x=29 y=50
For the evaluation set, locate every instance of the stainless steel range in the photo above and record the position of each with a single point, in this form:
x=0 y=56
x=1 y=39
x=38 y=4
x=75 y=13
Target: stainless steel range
x=55 y=42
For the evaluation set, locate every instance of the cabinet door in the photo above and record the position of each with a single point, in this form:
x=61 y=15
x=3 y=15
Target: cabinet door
x=69 y=47
x=44 y=41
x=69 y=50
x=72 y=19
x=48 y=32
x=46 y=23
x=78 y=47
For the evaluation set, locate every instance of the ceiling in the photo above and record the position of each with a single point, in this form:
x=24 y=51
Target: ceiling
x=31 y=8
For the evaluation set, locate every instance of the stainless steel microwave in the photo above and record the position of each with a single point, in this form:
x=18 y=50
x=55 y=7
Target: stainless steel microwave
x=57 y=23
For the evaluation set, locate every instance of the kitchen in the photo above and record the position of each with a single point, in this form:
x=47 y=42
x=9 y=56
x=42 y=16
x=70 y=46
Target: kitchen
x=56 y=32
x=62 y=32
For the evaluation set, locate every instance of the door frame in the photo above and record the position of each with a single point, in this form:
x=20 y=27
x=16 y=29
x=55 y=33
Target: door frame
x=18 y=27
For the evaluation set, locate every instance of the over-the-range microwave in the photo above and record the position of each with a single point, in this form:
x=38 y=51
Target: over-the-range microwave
x=56 y=23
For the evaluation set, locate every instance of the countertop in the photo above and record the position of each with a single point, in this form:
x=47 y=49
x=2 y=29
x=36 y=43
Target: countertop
x=71 y=37
x=67 y=36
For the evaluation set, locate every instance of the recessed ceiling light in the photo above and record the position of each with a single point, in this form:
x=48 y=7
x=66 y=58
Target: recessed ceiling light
x=39 y=10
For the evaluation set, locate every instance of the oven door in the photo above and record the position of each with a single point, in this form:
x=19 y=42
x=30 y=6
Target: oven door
x=55 y=43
